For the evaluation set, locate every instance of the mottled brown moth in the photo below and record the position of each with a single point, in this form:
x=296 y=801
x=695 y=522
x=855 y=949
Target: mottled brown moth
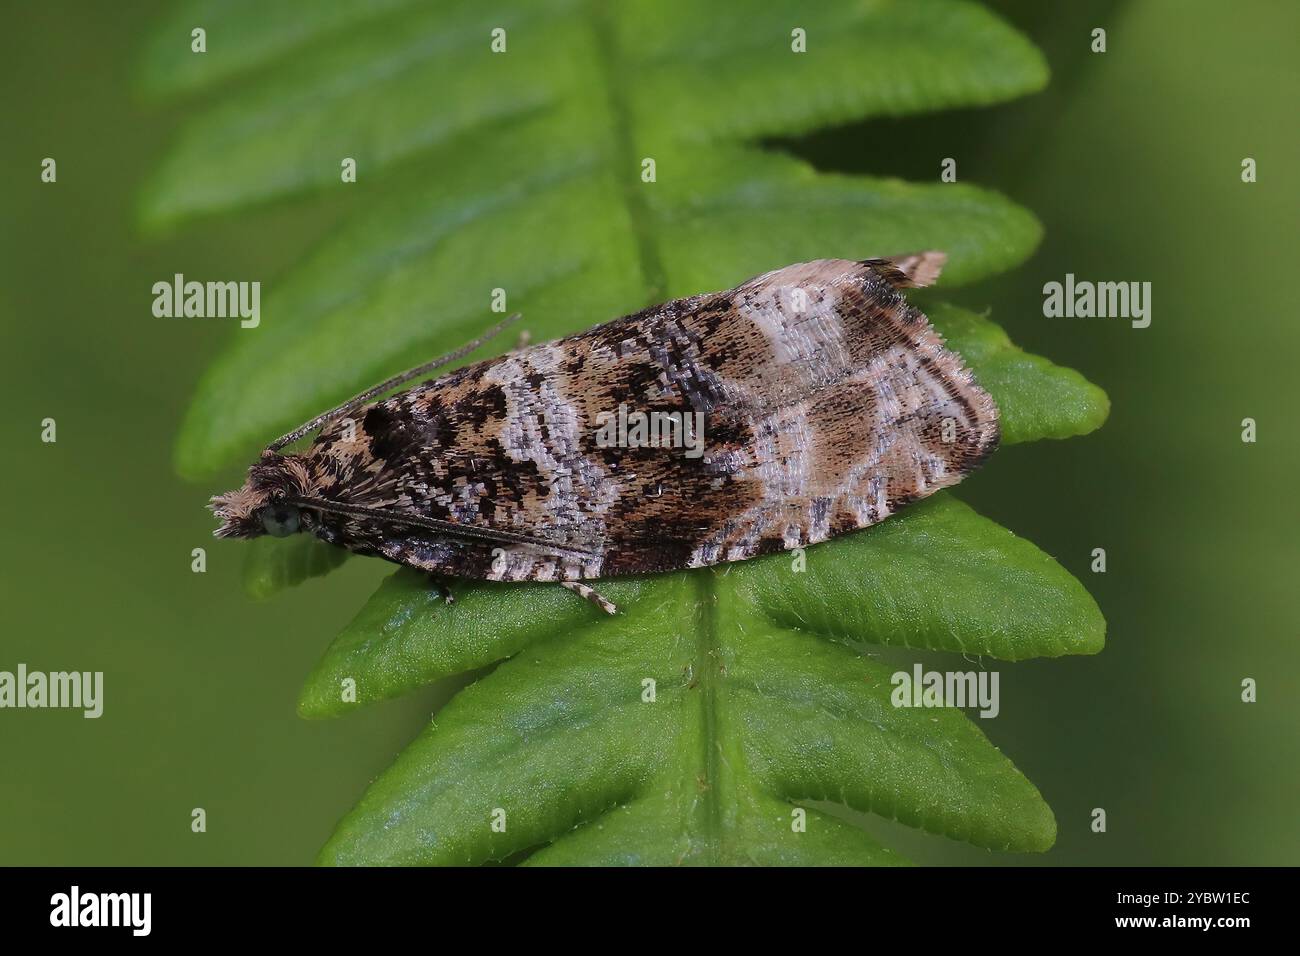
x=826 y=404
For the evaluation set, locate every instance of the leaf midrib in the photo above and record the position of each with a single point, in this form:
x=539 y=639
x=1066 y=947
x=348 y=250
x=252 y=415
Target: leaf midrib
x=707 y=651
x=611 y=63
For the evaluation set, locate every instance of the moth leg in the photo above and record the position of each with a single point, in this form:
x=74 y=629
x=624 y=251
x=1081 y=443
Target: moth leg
x=592 y=595
x=444 y=590
x=525 y=339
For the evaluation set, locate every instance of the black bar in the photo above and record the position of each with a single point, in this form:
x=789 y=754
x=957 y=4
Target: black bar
x=218 y=905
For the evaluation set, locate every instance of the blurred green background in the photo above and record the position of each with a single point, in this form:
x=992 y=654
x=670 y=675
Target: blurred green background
x=1131 y=159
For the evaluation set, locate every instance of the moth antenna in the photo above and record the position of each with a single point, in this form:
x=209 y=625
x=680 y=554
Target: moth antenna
x=449 y=528
x=396 y=380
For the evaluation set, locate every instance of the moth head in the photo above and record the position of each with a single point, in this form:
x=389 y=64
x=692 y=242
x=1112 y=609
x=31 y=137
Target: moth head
x=262 y=506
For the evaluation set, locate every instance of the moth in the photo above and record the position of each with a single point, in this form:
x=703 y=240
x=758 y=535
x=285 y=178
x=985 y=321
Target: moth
x=822 y=403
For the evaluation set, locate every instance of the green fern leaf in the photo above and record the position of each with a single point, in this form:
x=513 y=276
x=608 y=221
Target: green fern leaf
x=531 y=165
x=763 y=701
x=524 y=171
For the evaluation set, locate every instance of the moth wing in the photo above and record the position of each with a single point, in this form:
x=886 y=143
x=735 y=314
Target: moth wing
x=447 y=452
x=824 y=402
x=832 y=403
x=912 y=271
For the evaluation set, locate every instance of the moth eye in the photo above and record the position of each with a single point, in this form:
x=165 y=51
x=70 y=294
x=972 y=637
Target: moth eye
x=279 y=521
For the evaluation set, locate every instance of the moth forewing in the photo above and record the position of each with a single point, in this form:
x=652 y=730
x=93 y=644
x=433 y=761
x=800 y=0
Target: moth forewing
x=388 y=385
x=816 y=402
